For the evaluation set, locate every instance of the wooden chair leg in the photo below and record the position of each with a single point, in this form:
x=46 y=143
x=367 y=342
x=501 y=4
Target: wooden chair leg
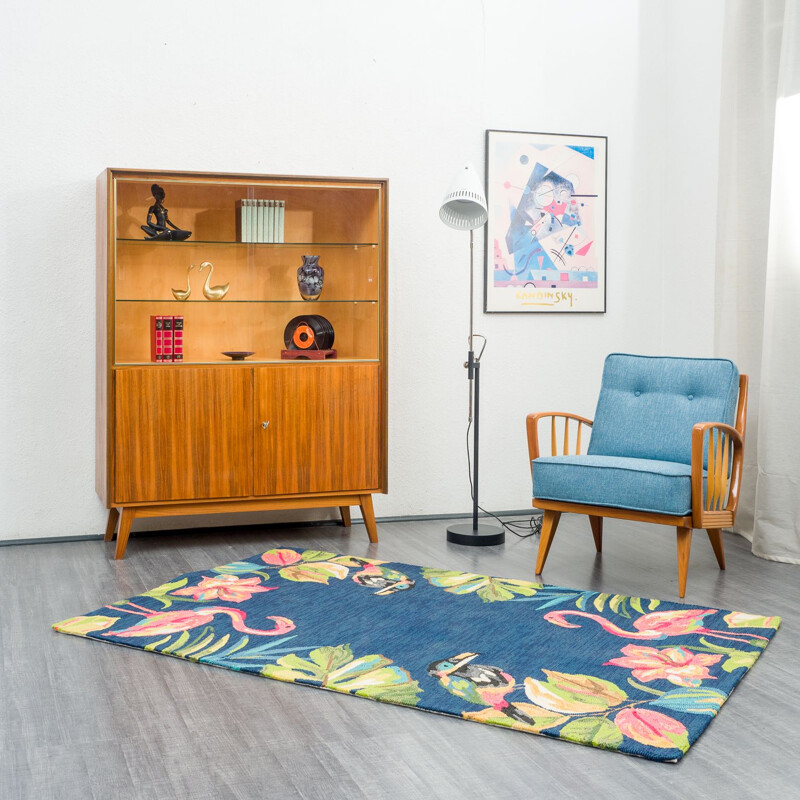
x=124 y=531
x=549 y=525
x=597 y=532
x=715 y=536
x=345 y=512
x=111 y=525
x=684 y=546
x=367 y=512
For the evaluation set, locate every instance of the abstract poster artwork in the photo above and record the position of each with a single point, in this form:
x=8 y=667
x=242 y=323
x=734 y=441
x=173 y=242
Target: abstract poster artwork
x=546 y=233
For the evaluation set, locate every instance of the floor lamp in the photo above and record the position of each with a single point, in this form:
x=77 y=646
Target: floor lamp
x=464 y=208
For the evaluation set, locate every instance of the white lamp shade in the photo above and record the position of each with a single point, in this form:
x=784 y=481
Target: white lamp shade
x=464 y=206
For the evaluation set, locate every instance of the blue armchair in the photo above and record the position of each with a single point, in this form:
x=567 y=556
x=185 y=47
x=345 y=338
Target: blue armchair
x=666 y=446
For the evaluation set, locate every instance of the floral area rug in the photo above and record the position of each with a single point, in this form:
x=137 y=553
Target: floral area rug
x=631 y=674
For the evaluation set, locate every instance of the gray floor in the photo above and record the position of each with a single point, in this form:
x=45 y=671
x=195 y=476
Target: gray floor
x=79 y=719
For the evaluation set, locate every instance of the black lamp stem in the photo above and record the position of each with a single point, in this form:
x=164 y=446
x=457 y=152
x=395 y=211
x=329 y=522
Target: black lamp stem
x=476 y=393
x=463 y=533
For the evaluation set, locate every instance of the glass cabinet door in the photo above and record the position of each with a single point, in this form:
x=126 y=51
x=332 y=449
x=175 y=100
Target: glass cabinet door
x=233 y=281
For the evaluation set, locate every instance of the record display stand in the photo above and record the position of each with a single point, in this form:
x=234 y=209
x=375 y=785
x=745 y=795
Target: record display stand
x=314 y=355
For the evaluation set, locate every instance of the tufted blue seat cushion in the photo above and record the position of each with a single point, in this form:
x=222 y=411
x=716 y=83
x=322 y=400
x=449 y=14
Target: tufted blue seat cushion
x=641 y=484
x=648 y=405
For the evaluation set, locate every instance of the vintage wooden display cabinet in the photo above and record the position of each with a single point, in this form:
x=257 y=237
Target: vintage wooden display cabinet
x=209 y=434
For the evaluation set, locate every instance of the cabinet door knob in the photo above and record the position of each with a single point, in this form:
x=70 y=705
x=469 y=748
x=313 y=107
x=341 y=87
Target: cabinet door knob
x=265 y=425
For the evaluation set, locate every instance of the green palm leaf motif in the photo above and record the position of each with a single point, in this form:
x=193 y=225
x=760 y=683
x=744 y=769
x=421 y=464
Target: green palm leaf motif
x=595 y=731
x=487 y=588
x=736 y=658
x=80 y=626
x=619 y=604
x=316 y=555
x=160 y=592
x=205 y=644
x=738 y=619
x=600 y=601
x=199 y=644
x=241 y=568
x=335 y=668
x=566 y=693
x=692 y=700
x=314 y=572
x=316 y=566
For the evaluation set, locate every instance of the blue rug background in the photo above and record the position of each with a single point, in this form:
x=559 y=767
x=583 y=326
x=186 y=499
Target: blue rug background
x=519 y=654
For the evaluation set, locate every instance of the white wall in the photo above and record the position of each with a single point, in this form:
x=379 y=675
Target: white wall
x=365 y=89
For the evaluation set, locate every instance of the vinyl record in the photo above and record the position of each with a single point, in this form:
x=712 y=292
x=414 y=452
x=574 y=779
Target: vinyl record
x=308 y=332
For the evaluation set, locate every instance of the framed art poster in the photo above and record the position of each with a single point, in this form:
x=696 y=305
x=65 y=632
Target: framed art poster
x=546 y=233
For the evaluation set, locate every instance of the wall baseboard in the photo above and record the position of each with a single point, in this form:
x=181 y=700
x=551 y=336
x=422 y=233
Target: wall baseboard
x=267 y=526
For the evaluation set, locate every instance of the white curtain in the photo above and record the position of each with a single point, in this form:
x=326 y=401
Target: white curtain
x=757 y=304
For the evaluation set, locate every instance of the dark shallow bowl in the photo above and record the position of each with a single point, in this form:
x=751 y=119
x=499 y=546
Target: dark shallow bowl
x=238 y=355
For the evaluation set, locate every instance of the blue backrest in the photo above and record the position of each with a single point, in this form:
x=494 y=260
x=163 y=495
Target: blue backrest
x=648 y=405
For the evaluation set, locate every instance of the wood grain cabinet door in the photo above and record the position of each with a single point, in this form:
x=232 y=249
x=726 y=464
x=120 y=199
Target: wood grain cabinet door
x=183 y=433
x=318 y=428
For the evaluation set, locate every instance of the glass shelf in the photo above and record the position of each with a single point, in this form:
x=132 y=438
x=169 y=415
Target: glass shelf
x=190 y=242
x=308 y=304
x=248 y=362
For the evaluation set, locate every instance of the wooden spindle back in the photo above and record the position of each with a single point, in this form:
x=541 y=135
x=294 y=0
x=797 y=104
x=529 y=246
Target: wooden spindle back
x=718 y=476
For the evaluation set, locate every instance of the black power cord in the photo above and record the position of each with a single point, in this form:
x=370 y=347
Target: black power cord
x=533 y=526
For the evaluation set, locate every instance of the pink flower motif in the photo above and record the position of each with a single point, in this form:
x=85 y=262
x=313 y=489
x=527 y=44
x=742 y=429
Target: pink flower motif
x=675 y=664
x=224 y=587
x=280 y=558
x=652 y=728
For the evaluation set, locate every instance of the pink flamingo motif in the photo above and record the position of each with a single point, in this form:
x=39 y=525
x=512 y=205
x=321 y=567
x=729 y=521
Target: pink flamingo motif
x=157 y=623
x=658 y=625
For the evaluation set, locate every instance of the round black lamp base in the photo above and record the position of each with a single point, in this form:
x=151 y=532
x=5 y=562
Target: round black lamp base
x=482 y=536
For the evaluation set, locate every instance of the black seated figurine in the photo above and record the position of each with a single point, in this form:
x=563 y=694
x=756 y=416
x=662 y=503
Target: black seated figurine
x=158 y=230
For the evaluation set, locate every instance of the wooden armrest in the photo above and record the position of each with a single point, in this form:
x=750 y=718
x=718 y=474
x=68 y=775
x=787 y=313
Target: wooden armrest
x=532 y=424
x=720 y=491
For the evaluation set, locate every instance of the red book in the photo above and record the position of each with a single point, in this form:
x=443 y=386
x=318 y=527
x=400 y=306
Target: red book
x=167 y=338
x=157 y=338
x=177 y=338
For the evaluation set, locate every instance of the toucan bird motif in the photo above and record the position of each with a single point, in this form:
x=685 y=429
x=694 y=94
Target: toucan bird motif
x=385 y=580
x=477 y=683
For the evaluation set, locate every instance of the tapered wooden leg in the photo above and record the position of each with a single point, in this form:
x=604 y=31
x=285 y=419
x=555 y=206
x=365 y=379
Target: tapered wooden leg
x=111 y=525
x=124 y=531
x=684 y=546
x=597 y=532
x=549 y=525
x=715 y=536
x=367 y=512
x=345 y=512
